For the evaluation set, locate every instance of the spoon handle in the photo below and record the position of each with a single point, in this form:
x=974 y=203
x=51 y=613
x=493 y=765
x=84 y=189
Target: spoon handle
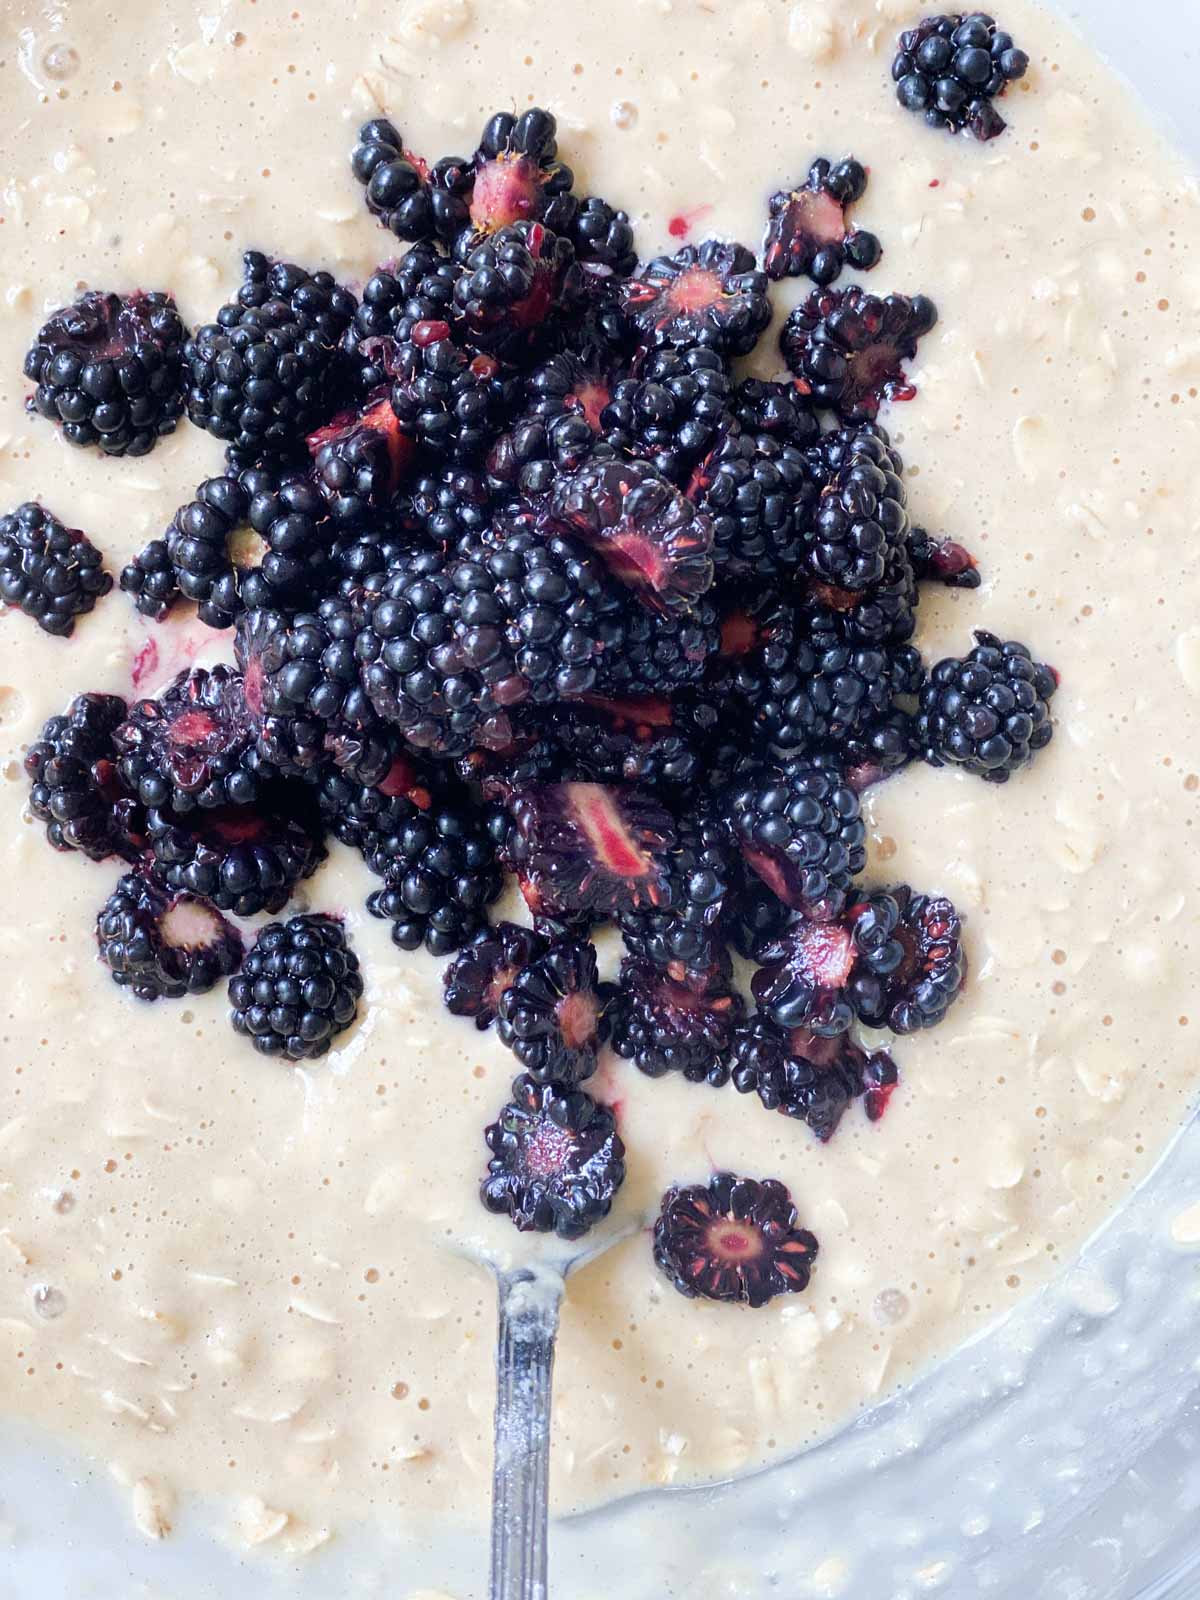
x=521 y=1477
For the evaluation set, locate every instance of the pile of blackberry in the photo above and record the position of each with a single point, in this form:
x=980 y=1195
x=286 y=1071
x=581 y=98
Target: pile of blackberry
x=531 y=584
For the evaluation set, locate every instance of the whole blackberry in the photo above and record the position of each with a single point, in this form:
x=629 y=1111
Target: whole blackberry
x=75 y=788
x=557 y=1160
x=942 y=561
x=109 y=369
x=603 y=235
x=807 y=234
x=54 y=574
x=360 y=459
x=517 y=176
x=988 y=712
x=671 y=412
x=783 y=410
x=860 y=520
x=453 y=404
x=711 y=294
x=759 y=495
x=260 y=376
x=161 y=946
x=298 y=989
x=810 y=1078
x=647 y=533
x=187 y=748
x=952 y=68
x=910 y=964
x=683 y=932
x=663 y=1025
x=849 y=348
x=242 y=859
x=800 y=828
x=553 y=1016
x=439 y=869
x=397 y=185
x=515 y=284
x=150 y=578
x=484 y=970
x=733 y=1239
x=258 y=539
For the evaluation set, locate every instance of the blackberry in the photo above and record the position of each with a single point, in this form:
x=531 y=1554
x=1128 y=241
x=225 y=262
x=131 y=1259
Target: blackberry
x=54 y=574
x=782 y=410
x=517 y=177
x=628 y=741
x=109 y=369
x=75 y=787
x=483 y=971
x=883 y=615
x=812 y=1079
x=439 y=869
x=710 y=294
x=531 y=456
x=451 y=506
x=801 y=982
x=910 y=965
x=514 y=284
x=557 y=1160
x=553 y=1016
x=989 y=712
x=808 y=235
x=952 y=69
x=419 y=288
x=800 y=828
x=660 y=654
x=603 y=235
x=161 y=946
x=585 y=848
x=150 y=578
x=298 y=989
x=759 y=495
x=571 y=384
x=733 y=1239
x=241 y=859
x=683 y=932
x=258 y=539
x=361 y=558
x=849 y=348
x=361 y=813
x=942 y=561
x=878 y=749
x=187 y=748
x=860 y=519
x=453 y=404
x=754 y=915
x=397 y=185
x=260 y=376
x=671 y=412
x=663 y=1025
x=360 y=459
x=648 y=534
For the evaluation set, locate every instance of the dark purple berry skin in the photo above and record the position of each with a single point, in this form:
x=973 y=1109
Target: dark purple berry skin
x=989 y=712
x=75 y=787
x=663 y=1024
x=298 y=989
x=710 y=294
x=952 y=68
x=910 y=963
x=53 y=574
x=733 y=1239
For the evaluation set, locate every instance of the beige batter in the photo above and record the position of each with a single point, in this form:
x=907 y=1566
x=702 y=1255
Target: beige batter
x=219 y=1274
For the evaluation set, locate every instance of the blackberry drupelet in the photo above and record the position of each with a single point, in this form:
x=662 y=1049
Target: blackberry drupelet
x=671 y=413
x=807 y=234
x=75 y=788
x=109 y=369
x=812 y=1079
x=151 y=580
x=800 y=828
x=604 y=235
x=664 y=1025
x=440 y=872
x=942 y=561
x=683 y=932
x=187 y=748
x=989 y=712
x=759 y=494
x=554 y=1017
x=557 y=1160
x=711 y=294
x=242 y=859
x=360 y=459
x=260 y=376
x=53 y=574
x=515 y=285
x=783 y=410
x=910 y=964
x=517 y=176
x=483 y=971
x=397 y=187
x=849 y=348
x=860 y=519
x=298 y=989
x=733 y=1239
x=952 y=68
x=161 y=946
x=801 y=981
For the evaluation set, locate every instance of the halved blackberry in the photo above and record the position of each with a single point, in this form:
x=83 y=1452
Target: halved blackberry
x=517 y=176
x=647 y=533
x=808 y=1077
x=711 y=294
x=671 y=412
x=860 y=519
x=553 y=1015
x=910 y=965
x=571 y=384
x=988 y=712
x=75 y=788
x=298 y=989
x=808 y=235
x=150 y=578
x=663 y=1025
x=783 y=410
x=163 y=946
x=802 y=979
x=360 y=459
x=557 y=1160
x=759 y=495
x=454 y=404
x=733 y=1239
x=258 y=539
x=515 y=284
x=243 y=859
x=604 y=235
x=683 y=931
x=188 y=746
x=952 y=68
x=109 y=369
x=942 y=561
x=878 y=749
x=439 y=867
x=589 y=848
x=54 y=574
x=636 y=741
x=800 y=828
x=397 y=184
x=483 y=971
x=849 y=348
